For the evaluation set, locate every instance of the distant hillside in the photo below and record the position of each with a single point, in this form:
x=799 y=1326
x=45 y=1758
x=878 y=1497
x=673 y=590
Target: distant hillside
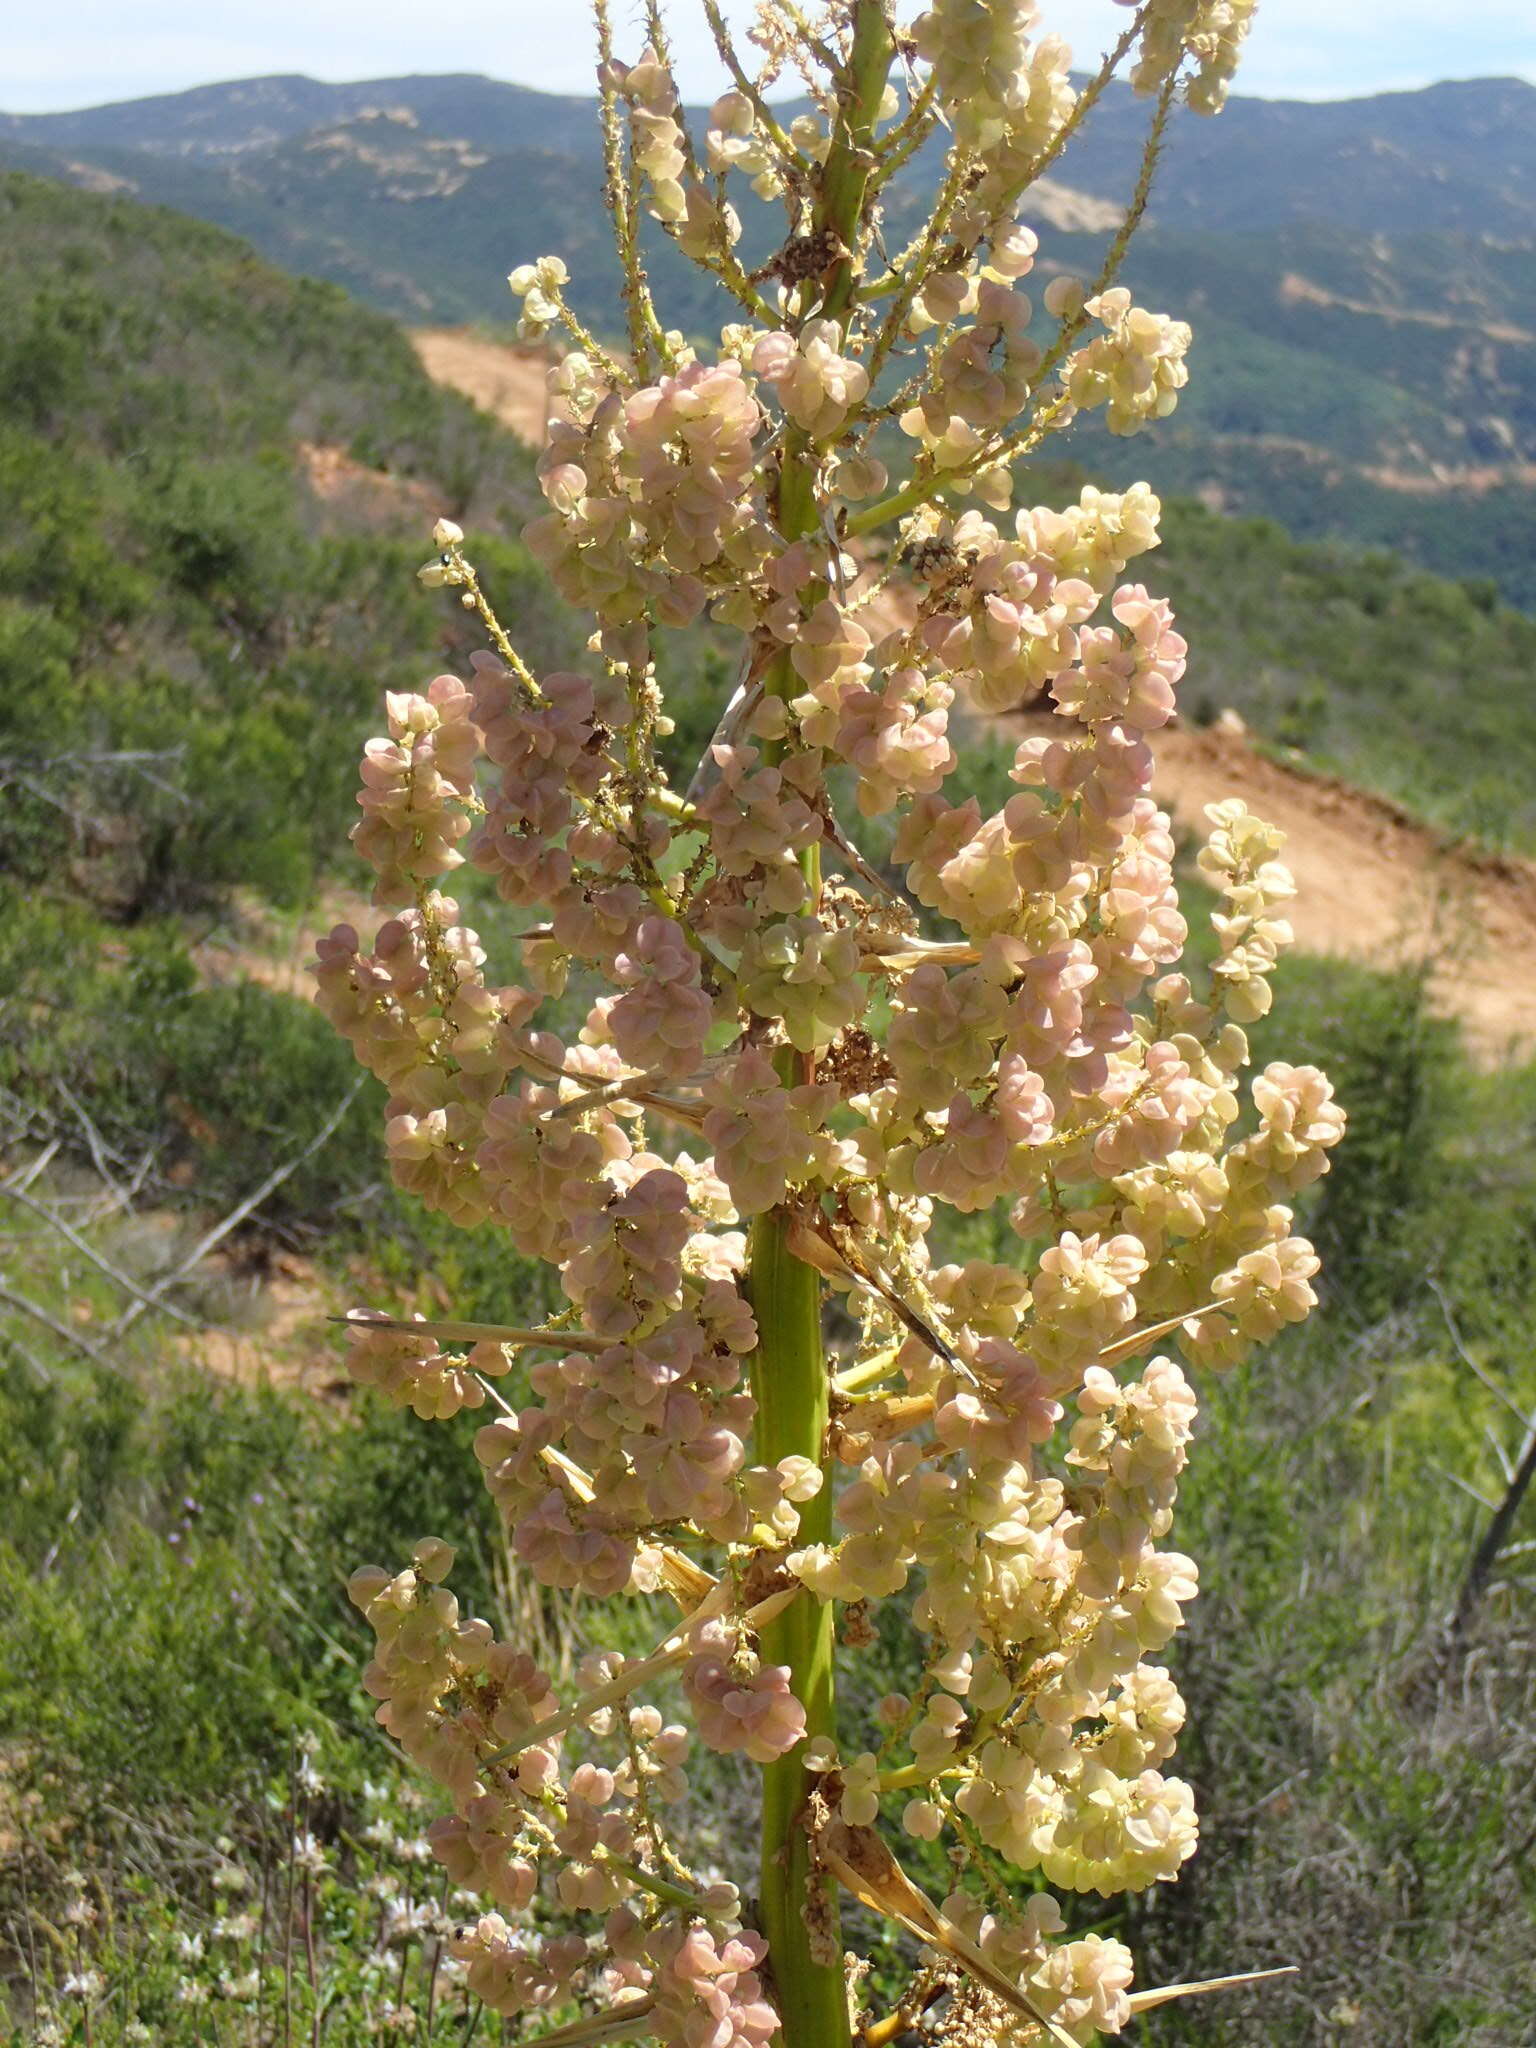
x=1459 y=155
x=215 y=484
x=1361 y=274
x=214 y=121
x=1348 y=663
x=1379 y=390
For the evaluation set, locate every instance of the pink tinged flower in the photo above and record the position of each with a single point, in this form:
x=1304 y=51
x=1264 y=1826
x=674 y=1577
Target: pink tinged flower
x=1024 y=1108
x=707 y=1991
x=970 y=1165
x=661 y=1021
x=742 y=1706
x=477 y=1855
x=1300 y=1123
x=1012 y=1410
x=758 y=823
x=1267 y=1289
x=816 y=385
x=943 y=1032
x=828 y=643
x=562 y=1548
x=765 y=1136
x=896 y=737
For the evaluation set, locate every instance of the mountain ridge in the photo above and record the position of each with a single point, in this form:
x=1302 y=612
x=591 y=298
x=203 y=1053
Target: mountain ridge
x=1361 y=274
x=1481 y=122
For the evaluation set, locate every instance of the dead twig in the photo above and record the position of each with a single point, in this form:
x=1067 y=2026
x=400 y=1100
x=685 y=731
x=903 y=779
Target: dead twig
x=88 y=1251
x=39 y=1314
x=93 y=1138
x=1481 y=1372
x=1487 y=1553
x=238 y=1214
x=27 y=1176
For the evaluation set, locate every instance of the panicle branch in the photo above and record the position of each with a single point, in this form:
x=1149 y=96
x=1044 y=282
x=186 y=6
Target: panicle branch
x=991 y=1015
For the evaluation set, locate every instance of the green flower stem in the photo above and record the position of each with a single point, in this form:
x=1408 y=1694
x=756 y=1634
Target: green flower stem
x=851 y=159
x=797 y=1904
x=789 y=1379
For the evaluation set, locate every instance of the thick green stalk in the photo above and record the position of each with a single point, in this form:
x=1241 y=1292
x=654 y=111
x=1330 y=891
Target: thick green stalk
x=789 y=1378
x=798 y=1906
x=845 y=178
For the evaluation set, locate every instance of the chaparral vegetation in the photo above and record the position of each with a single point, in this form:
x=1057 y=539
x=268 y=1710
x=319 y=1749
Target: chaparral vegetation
x=842 y=1163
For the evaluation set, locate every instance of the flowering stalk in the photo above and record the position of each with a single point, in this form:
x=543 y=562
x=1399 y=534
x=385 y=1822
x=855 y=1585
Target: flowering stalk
x=800 y=1058
x=798 y=1899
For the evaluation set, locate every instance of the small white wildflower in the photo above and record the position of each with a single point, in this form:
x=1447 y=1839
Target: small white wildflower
x=404 y=1920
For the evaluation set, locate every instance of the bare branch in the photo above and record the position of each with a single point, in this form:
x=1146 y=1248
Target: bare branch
x=1487 y=1553
x=51 y=1322
x=239 y=1213
x=89 y=1251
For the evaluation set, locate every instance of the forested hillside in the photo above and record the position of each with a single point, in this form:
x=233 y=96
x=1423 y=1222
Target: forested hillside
x=216 y=483
x=214 y=480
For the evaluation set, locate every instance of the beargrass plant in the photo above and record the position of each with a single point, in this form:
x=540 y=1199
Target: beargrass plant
x=768 y=1398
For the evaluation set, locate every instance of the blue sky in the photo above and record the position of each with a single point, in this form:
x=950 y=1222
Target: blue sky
x=75 y=53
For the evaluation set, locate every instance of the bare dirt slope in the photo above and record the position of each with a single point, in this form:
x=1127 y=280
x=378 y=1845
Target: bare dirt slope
x=1375 y=885
x=506 y=382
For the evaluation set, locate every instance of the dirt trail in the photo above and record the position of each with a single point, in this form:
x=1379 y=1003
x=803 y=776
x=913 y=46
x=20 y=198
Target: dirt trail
x=257 y=943
x=373 y=497
x=267 y=1309
x=506 y=382
x=1375 y=885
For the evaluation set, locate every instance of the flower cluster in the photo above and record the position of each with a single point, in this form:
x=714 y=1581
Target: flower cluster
x=1210 y=31
x=481 y=1719
x=990 y=74
x=1135 y=368
x=740 y=1060
x=816 y=385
